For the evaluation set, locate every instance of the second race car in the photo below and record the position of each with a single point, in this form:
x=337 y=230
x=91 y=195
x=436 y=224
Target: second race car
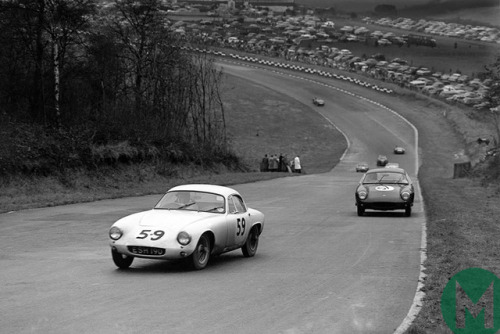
x=382 y=160
x=385 y=189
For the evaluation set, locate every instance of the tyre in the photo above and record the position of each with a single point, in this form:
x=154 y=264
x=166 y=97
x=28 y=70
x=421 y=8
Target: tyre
x=201 y=255
x=408 y=211
x=250 y=247
x=122 y=261
x=361 y=210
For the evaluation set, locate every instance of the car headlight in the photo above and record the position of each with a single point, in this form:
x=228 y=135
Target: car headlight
x=405 y=195
x=362 y=193
x=183 y=238
x=115 y=233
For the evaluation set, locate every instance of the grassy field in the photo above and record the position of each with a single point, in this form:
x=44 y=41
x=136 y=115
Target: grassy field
x=281 y=126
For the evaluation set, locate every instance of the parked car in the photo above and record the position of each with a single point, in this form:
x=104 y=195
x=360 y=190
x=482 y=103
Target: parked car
x=190 y=222
x=385 y=189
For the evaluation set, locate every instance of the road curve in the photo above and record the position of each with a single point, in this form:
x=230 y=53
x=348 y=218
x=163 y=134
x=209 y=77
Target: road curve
x=319 y=269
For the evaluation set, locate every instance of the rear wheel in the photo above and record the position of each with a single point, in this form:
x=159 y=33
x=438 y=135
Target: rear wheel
x=122 y=261
x=361 y=210
x=250 y=247
x=201 y=255
x=408 y=211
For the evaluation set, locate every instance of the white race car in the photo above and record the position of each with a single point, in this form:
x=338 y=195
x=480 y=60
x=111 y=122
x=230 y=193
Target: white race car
x=191 y=222
x=399 y=150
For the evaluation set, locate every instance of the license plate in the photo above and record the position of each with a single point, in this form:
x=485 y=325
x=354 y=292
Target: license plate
x=140 y=250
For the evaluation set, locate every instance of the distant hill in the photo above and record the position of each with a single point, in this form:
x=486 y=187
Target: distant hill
x=437 y=8
x=417 y=7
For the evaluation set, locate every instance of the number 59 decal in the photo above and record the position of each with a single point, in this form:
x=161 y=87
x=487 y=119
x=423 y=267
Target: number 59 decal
x=154 y=236
x=241 y=225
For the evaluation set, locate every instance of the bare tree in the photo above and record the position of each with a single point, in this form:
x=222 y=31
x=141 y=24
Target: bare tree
x=138 y=26
x=65 y=22
x=171 y=94
x=207 y=112
x=41 y=32
x=493 y=96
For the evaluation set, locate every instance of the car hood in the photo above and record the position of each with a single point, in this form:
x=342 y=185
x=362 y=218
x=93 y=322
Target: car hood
x=172 y=219
x=384 y=190
x=384 y=186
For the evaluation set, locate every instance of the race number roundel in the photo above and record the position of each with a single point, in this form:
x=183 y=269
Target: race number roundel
x=384 y=188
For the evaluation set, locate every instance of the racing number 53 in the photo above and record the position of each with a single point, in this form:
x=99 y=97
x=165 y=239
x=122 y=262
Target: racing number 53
x=241 y=225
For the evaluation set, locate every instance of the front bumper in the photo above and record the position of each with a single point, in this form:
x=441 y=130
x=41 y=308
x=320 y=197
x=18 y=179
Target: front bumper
x=384 y=206
x=170 y=253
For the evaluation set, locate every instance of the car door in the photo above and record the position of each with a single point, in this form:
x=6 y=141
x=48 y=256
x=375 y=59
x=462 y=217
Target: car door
x=237 y=221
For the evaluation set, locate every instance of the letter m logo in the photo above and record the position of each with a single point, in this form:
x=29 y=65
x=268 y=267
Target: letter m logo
x=474 y=312
x=470 y=303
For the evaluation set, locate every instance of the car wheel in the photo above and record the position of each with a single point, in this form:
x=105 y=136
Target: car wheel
x=250 y=247
x=201 y=255
x=408 y=211
x=122 y=261
x=361 y=210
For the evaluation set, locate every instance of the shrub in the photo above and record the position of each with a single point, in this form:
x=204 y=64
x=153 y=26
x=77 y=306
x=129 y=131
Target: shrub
x=33 y=149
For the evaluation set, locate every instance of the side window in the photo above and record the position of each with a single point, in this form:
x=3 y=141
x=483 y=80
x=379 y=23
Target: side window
x=238 y=201
x=231 y=205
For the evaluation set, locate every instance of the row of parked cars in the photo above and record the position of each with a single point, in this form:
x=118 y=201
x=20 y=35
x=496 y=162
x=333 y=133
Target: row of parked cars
x=440 y=28
x=266 y=38
x=453 y=87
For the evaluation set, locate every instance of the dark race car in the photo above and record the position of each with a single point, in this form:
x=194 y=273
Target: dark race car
x=382 y=160
x=385 y=189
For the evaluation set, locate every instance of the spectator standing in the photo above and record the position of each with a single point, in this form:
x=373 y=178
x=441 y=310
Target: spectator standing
x=264 y=164
x=273 y=163
x=296 y=165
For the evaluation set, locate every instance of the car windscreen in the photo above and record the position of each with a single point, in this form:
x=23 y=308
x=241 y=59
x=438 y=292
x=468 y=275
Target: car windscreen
x=193 y=201
x=385 y=177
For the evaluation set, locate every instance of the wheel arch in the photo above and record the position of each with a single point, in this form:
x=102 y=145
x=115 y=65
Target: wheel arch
x=211 y=238
x=259 y=226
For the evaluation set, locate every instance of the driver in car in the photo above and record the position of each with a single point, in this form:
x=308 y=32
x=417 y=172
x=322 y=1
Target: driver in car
x=185 y=202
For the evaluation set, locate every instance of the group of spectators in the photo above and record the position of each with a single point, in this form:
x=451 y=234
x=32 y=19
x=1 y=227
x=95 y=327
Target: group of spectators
x=275 y=163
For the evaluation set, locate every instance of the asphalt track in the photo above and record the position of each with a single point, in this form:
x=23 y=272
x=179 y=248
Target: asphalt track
x=319 y=269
